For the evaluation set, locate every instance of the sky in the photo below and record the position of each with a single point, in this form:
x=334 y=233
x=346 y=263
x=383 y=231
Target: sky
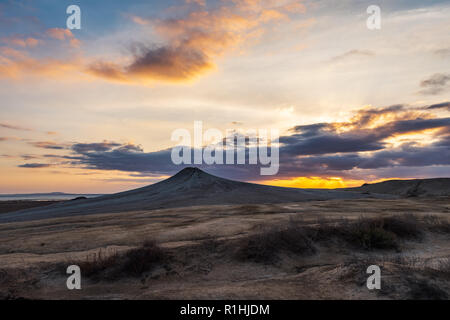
x=92 y=110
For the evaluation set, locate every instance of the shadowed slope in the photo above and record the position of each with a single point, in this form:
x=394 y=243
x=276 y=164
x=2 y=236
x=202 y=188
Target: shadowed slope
x=409 y=188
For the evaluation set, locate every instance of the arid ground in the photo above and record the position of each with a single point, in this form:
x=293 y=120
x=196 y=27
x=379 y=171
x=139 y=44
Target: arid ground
x=303 y=250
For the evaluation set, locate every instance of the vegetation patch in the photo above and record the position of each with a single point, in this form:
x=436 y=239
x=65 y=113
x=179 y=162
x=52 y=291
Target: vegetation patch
x=371 y=233
x=265 y=246
x=111 y=265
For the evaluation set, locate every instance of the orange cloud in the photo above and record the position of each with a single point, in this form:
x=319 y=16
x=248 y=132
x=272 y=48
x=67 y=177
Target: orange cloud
x=59 y=33
x=199 y=2
x=192 y=44
x=371 y=118
x=295 y=7
x=19 y=63
x=6 y=52
x=194 y=41
x=32 y=41
x=21 y=42
x=272 y=14
x=63 y=34
x=18 y=66
x=139 y=20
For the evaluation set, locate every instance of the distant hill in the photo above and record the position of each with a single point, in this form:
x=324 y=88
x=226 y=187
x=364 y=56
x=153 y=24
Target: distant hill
x=189 y=187
x=408 y=188
x=52 y=196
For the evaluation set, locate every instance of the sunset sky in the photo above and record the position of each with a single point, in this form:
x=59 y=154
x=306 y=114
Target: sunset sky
x=92 y=110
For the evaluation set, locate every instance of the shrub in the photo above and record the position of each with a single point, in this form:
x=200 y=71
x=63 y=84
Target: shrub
x=371 y=233
x=111 y=265
x=423 y=289
x=437 y=224
x=98 y=262
x=140 y=260
x=405 y=227
x=371 y=237
x=264 y=247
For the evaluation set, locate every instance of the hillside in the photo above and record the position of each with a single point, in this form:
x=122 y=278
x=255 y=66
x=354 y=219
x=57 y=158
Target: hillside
x=408 y=188
x=189 y=187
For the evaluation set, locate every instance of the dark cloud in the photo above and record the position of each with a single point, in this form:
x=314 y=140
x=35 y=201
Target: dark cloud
x=27 y=157
x=443 y=105
x=168 y=63
x=329 y=144
x=406 y=126
x=124 y=159
x=435 y=84
x=405 y=156
x=320 y=149
x=324 y=138
x=94 y=147
x=34 y=165
x=172 y=62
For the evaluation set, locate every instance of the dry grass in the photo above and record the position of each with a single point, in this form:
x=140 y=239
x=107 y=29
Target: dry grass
x=372 y=233
x=140 y=260
x=111 y=265
x=384 y=233
x=96 y=263
x=265 y=246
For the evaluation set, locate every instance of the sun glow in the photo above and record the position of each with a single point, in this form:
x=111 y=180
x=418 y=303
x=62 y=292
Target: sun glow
x=314 y=182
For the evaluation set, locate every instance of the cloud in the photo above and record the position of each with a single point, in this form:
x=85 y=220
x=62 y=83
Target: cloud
x=48 y=145
x=435 y=84
x=27 y=157
x=355 y=53
x=190 y=40
x=199 y=2
x=122 y=157
x=34 y=165
x=443 y=52
x=366 y=131
x=20 y=67
x=31 y=41
x=404 y=156
x=343 y=149
x=94 y=147
x=59 y=33
x=329 y=143
x=163 y=63
x=24 y=42
x=63 y=35
x=19 y=63
x=13 y=127
x=443 y=105
x=193 y=41
x=9 y=138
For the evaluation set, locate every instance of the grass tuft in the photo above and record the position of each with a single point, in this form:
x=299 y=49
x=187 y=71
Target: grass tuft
x=265 y=246
x=111 y=265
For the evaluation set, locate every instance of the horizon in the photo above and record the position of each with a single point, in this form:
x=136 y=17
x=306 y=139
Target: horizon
x=92 y=110
x=261 y=183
